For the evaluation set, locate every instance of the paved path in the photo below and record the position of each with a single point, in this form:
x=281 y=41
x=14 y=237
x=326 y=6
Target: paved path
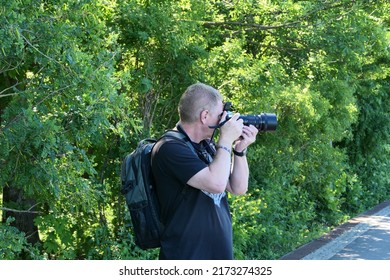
x=366 y=237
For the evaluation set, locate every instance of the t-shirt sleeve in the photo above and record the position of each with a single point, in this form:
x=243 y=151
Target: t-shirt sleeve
x=179 y=161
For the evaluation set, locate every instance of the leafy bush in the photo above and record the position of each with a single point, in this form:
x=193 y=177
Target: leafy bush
x=83 y=81
x=14 y=245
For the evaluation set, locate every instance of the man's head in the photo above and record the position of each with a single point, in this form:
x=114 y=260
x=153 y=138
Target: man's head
x=198 y=102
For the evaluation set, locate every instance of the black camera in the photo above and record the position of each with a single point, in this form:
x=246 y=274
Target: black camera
x=263 y=122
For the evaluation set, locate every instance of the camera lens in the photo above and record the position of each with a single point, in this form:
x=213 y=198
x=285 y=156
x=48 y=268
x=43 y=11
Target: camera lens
x=263 y=122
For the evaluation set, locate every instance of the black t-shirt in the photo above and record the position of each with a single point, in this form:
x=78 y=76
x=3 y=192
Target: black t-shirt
x=198 y=224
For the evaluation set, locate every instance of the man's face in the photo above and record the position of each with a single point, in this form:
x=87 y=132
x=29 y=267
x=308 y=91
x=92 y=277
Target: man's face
x=215 y=114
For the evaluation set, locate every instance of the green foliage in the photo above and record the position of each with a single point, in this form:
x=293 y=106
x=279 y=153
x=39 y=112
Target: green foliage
x=83 y=81
x=14 y=245
x=160 y=48
x=60 y=125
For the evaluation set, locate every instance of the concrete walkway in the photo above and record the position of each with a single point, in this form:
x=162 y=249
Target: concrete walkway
x=366 y=237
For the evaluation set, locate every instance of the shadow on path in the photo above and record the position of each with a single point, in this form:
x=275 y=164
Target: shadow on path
x=366 y=237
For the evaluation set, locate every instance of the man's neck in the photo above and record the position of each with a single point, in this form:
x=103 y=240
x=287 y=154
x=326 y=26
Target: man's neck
x=193 y=131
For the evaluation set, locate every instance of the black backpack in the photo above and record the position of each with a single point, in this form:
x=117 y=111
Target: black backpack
x=139 y=190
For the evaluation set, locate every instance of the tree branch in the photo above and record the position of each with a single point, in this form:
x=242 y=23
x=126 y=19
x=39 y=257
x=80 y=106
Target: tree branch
x=20 y=211
x=254 y=26
x=208 y=24
x=2 y=94
x=41 y=53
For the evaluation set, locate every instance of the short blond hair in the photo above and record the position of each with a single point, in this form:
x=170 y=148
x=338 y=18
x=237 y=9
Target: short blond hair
x=195 y=99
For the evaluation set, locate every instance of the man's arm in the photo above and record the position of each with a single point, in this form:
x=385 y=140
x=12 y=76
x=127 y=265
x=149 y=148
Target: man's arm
x=220 y=175
x=239 y=177
x=214 y=178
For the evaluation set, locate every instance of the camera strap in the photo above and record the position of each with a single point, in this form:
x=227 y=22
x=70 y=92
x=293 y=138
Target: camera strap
x=218 y=125
x=204 y=149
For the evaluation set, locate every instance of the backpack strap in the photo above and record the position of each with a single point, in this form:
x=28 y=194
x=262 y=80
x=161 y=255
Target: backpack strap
x=179 y=135
x=175 y=134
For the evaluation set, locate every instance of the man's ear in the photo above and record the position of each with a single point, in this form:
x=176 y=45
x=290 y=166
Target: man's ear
x=203 y=116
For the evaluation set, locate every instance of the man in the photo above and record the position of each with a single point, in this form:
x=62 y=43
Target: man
x=191 y=187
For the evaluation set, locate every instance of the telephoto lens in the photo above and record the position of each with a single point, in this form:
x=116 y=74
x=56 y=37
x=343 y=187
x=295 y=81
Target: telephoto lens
x=263 y=122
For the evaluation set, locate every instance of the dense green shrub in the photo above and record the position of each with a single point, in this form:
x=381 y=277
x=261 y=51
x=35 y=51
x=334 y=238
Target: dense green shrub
x=83 y=81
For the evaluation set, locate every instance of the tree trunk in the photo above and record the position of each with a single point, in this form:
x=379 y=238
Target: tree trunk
x=24 y=216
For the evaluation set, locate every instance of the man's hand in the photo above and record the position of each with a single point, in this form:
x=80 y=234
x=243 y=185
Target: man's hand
x=248 y=136
x=232 y=129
